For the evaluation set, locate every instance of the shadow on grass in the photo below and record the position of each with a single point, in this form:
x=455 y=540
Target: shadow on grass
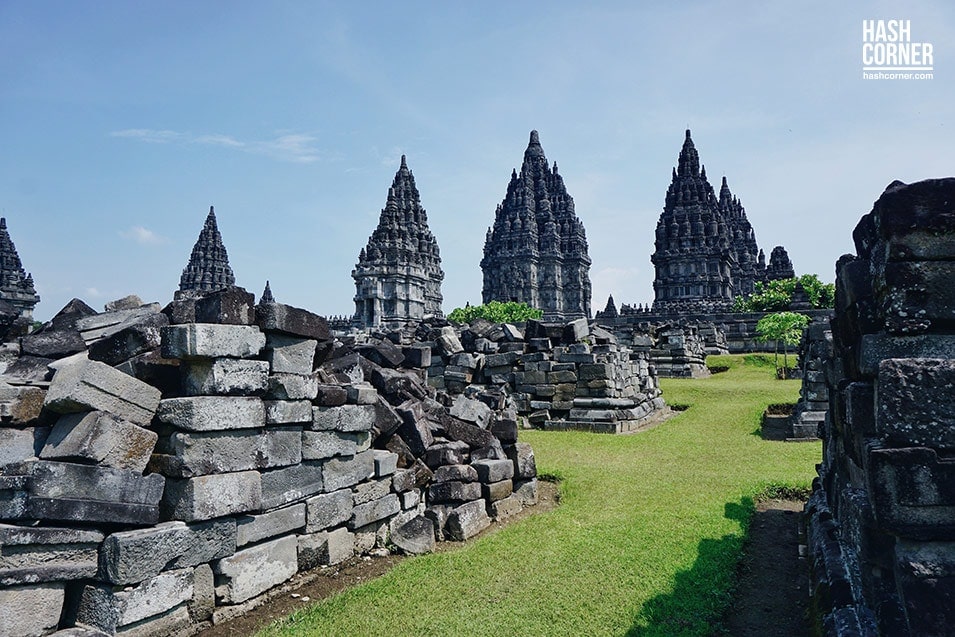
x=701 y=594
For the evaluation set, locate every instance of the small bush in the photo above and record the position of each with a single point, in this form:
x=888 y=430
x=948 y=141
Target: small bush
x=496 y=312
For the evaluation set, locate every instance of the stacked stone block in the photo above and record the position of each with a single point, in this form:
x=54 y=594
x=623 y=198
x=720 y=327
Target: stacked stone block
x=815 y=350
x=882 y=517
x=678 y=352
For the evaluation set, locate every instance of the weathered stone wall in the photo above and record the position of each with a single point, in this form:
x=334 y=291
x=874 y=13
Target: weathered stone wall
x=815 y=350
x=882 y=516
x=158 y=474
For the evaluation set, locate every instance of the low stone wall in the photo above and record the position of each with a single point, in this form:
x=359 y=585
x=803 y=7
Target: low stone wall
x=158 y=470
x=881 y=519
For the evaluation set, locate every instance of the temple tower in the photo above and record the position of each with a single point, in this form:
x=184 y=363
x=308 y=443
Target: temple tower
x=398 y=275
x=694 y=258
x=748 y=267
x=208 y=269
x=16 y=286
x=780 y=266
x=536 y=251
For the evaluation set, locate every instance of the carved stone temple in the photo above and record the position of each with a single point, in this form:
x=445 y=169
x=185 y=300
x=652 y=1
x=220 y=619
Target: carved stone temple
x=16 y=286
x=780 y=266
x=705 y=250
x=398 y=275
x=536 y=251
x=208 y=269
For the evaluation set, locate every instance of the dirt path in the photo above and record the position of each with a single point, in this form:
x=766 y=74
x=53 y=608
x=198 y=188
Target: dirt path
x=772 y=597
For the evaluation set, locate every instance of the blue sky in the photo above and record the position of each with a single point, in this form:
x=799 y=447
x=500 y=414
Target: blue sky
x=122 y=122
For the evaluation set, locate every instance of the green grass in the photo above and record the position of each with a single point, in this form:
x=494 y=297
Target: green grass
x=644 y=542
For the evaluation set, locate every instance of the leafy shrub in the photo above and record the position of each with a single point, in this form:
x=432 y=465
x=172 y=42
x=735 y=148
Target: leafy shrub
x=785 y=328
x=777 y=295
x=496 y=312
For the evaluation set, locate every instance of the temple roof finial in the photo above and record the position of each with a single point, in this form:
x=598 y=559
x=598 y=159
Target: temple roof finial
x=404 y=162
x=267 y=294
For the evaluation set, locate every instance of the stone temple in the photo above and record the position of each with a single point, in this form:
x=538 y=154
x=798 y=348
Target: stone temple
x=536 y=251
x=208 y=269
x=16 y=286
x=705 y=250
x=398 y=275
x=780 y=267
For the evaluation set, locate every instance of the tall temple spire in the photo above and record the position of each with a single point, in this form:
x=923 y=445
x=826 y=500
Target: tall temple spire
x=398 y=275
x=208 y=269
x=536 y=251
x=16 y=286
x=688 y=164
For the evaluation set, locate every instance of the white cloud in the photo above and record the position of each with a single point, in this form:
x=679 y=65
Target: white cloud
x=293 y=147
x=143 y=236
x=93 y=292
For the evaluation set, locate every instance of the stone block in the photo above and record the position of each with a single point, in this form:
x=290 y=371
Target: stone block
x=206 y=340
x=83 y=493
x=415 y=429
x=505 y=508
x=282 y=486
x=326 y=548
x=383 y=352
x=128 y=557
x=318 y=445
x=505 y=430
x=254 y=570
x=416 y=356
x=362 y=394
x=925 y=577
x=212 y=496
x=32 y=555
x=386 y=463
x=225 y=377
x=495 y=491
x=466 y=521
x=17 y=445
x=371 y=490
x=522 y=455
x=874 y=348
x=212 y=413
x=290 y=354
x=278 y=317
x=449 y=342
x=255 y=528
x=229 y=306
x=916 y=403
x=494 y=470
x=194 y=454
x=32 y=610
x=137 y=337
x=369 y=512
x=465 y=432
x=454 y=491
x=109 y=608
x=345 y=472
x=280 y=412
x=203 y=603
x=328 y=509
x=456 y=472
x=414 y=537
x=53 y=344
x=91 y=385
x=413 y=477
x=345 y=418
x=913 y=492
x=292 y=387
x=575 y=331
x=526 y=491
x=97 y=326
x=101 y=438
x=331 y=395
x=471 y=411
x=454 y=452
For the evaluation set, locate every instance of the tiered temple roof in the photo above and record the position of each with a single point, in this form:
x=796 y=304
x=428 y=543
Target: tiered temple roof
x=750 y=263
x=16 y=286
x=694 y=256
x=780 y=266
x=208 y=269
x=536 y=251
x=398 y=275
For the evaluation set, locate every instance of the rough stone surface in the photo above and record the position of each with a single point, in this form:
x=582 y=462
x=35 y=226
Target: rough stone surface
x=282 y=486
x=278 y=317
x=225 y=377
x=128 y=557
x=208 y=340
x=494 y=470
x=317 y=445
x=31 y=555
x=212 y=413
x=254 y=570
x=328 y=509
x=916 y=402
x=369 y=512
x=254 y=528
x=32 y=610
x=108 y=608
x=467 y=520
x=345 y=472
x=280 y=412
x=91 y=385
x=290 y=354
x=415 y=537
x=101 y=438
x=347 y=418
x=196 y=454
x=212 y=496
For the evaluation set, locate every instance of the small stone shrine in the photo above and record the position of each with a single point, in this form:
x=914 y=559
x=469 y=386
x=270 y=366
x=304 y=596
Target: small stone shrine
x=536 y=251
x=398 y=275
x=780 y=267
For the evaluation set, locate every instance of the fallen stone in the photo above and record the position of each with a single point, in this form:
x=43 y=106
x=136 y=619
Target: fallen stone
x=415 y=537
x=29 y=369
x=136 y=338
x=522 y=455
x=362 y=394
x=254 y=570
x=386 y=463
x=466 y=521
x=331 y=395
x=110 y=608
x=506 y=507
x=526 y=491
x=225 y=377
x=101 y=438
x=212 y=413
x=17 y=445
x=494 y=470
x=278 y=317
x=326 y=548
x=205 y=340
x=31 y=611
x=198 y=454
x=255 y=528
x=229 y=306
x=383 y=352
x=494 y=491
x=290 y=354
x=454 y=491
x=98 y=326
x=292 y=387
x=465 y=432
x=413 y=477
x=456 y=472
x=53 y=344
x=415 y=430
x=31 y=555
x=472 y=411
x=207 y=497
x=318 y=445
x=91 y=385
x=128 y=302
x=129 y=557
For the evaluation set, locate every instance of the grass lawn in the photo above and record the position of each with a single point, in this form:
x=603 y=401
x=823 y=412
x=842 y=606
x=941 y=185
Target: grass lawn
x=644 y=542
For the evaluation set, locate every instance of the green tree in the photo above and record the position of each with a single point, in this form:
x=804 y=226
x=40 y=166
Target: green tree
x=496 y=312
x=776 y=295
x=784 y=327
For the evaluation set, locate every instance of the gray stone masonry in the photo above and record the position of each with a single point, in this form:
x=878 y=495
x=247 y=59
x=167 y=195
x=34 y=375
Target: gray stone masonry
x=255 y=528
x=318 y=445
x=467 y=520
x=128 y=557
x=212 y=413
x=101 y=438
x=206 y=340
x=282 y=412
x=254 y=570
x=30 y=555
x=290 y=354
x=111 y=608
x=32 y=610
x=346 y=418
x=346 y=472
x=212 y=496
x=415 y=537
x=196 y=454
x=290 y=484
x=327 y=510
x=225 y=377
x=91 y=385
